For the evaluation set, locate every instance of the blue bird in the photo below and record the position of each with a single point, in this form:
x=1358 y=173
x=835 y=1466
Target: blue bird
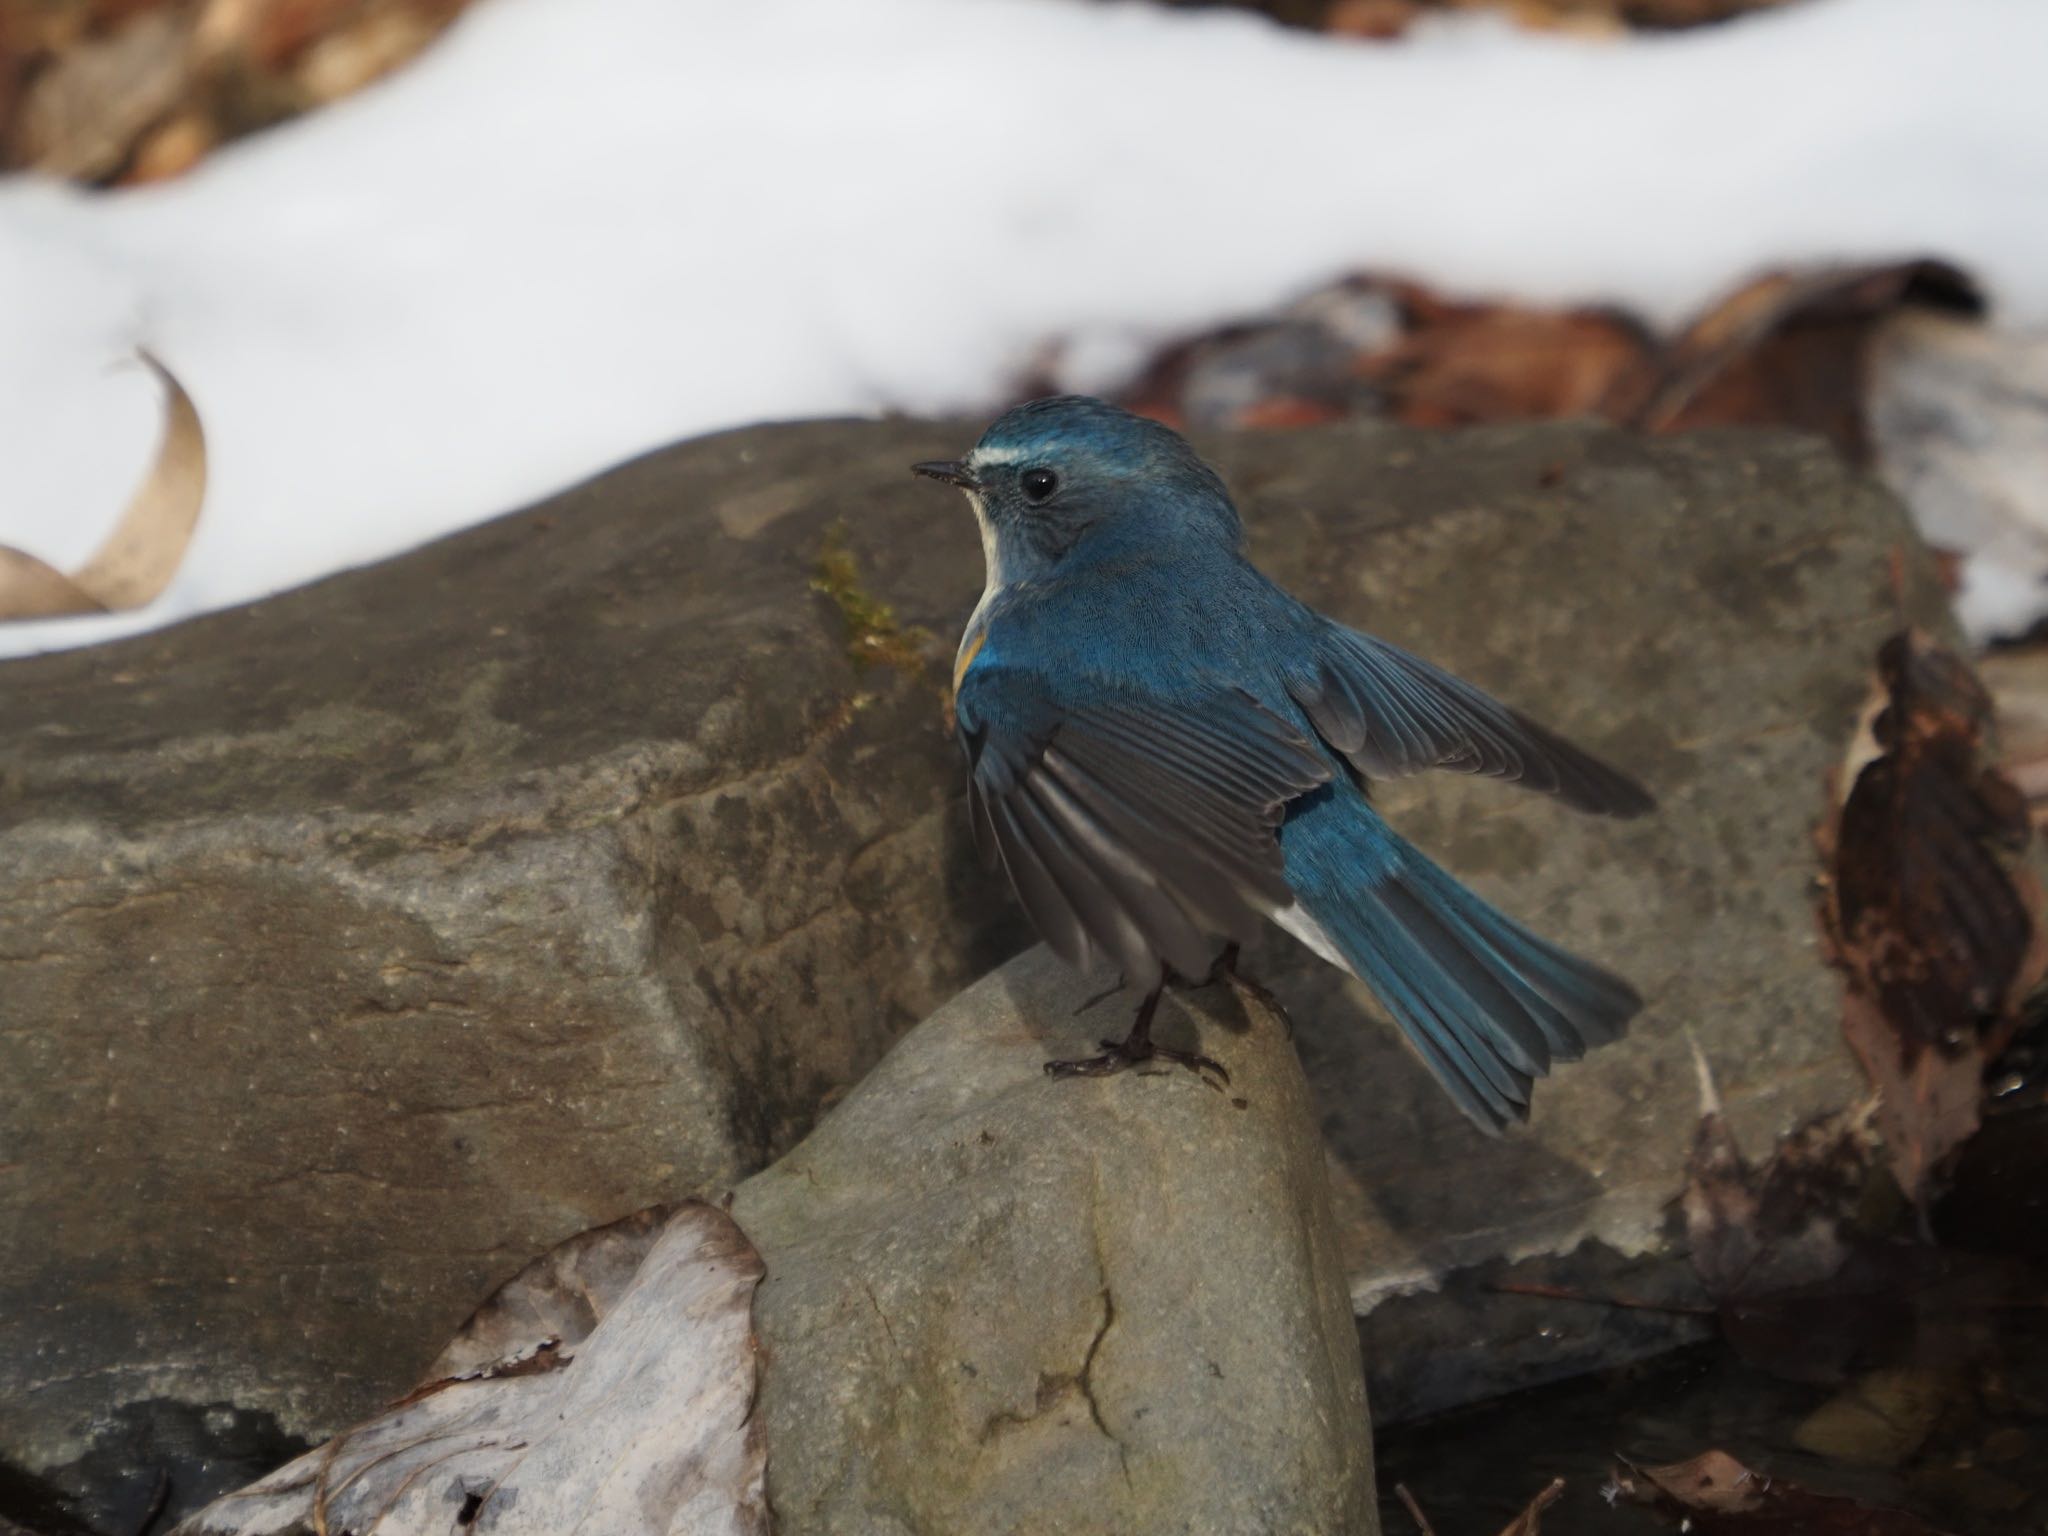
x=1164 y=749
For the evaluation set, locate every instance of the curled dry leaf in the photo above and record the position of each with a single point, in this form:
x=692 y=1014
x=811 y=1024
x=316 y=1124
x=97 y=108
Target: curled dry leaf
x=1715 y=1495
x=1926 y=913
x=640 y=1424
x=35 y=589
x=138 y=559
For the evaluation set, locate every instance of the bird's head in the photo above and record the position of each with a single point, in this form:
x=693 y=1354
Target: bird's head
x=1069 y=472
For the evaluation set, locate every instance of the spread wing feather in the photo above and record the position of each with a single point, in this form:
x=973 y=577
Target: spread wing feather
x=1393 y=714
x=1134 y=827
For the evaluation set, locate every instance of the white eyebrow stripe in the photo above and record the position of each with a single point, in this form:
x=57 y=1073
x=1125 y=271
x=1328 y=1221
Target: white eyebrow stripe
x=981 y=458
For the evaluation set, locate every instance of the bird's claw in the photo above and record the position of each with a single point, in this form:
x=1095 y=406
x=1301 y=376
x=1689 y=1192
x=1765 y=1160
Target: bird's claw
x=1225 y=971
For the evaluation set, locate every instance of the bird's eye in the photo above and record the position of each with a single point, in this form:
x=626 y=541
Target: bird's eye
x=1038 y=484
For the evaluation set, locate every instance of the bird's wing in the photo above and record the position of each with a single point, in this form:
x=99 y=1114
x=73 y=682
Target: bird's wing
x=1133 y=826
x=1394 y=714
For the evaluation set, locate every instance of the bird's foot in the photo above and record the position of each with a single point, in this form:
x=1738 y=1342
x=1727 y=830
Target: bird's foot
x=1224 y=969
x=1121 y=1055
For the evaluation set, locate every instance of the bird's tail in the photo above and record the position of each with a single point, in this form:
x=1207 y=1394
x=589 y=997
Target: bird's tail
x=1487 y=1004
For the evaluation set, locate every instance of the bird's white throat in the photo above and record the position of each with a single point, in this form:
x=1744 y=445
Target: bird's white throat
x=992 y=567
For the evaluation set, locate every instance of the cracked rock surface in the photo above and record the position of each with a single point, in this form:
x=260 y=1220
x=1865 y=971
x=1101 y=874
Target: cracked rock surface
x=999 y=1303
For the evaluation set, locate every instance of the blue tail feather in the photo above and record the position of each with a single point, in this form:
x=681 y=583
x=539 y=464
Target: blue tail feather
x=1488 y=1005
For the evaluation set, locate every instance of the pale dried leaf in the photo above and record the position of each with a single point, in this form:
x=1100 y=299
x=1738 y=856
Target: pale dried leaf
x=142 y=554
x=34 y=589
x=644 y=1428
x=137 y=560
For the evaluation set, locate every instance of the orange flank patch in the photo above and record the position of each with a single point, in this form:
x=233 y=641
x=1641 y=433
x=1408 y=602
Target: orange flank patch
x=967 y=660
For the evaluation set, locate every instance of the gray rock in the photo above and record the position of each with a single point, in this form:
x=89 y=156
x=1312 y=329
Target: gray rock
x=359 y=944
x=999 y=1303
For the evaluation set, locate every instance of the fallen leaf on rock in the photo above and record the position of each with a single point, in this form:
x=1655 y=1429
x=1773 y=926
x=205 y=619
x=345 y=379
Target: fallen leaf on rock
x=1715 y=1495
x=138 y=559
x=1925 y=912
x=640 y=1426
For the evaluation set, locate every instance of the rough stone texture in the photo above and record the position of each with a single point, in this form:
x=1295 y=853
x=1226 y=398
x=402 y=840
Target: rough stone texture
x=1002 y=1304
x=360 y=944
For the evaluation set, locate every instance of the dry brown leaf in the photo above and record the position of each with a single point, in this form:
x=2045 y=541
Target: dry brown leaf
x=1787 y=349
x=137 y=560
x=1937 y=931
x=642 y=1427
x=35 y=589
x=1458 y=364
x=1715 y=1495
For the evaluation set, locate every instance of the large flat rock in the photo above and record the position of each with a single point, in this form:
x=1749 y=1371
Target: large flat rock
x=359 y=944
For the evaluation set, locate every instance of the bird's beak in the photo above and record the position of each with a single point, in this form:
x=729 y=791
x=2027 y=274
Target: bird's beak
x=952 y=471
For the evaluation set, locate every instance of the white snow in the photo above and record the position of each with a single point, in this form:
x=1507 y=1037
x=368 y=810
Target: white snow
x=582 y=228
